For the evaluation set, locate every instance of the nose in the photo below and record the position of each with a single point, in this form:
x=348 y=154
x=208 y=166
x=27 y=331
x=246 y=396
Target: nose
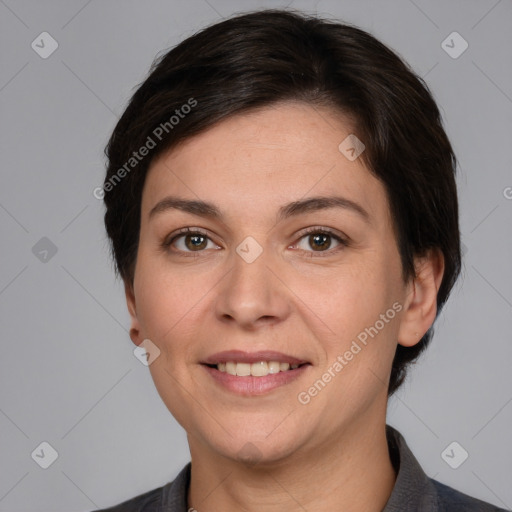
x=252 y=295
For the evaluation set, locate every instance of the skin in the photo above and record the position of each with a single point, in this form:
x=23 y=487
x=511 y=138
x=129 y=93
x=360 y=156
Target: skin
x=294 y=298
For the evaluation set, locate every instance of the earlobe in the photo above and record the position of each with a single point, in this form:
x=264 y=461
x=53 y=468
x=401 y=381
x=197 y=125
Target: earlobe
x=130 y=303
x=421 y=310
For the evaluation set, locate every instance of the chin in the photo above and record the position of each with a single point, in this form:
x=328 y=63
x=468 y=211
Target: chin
x=254 y=449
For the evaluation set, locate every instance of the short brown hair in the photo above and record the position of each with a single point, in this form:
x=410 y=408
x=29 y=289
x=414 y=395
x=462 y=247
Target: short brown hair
x=256 y=59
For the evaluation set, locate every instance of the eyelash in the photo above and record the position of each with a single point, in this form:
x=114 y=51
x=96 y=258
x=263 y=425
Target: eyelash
x=343 y=242
x=166 y=245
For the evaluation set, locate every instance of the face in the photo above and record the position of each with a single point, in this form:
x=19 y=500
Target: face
x=273 y=271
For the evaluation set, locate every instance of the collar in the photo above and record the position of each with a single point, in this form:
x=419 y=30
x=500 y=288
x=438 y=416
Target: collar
x=413 y=489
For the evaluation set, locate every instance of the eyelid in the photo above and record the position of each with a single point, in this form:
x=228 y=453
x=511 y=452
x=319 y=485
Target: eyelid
x=322 y=229
x=169 y=240
x=187 y=230
x=342 y=239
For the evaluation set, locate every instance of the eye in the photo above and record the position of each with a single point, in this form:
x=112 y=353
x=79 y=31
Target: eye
x=320 y=240
x=190 y=240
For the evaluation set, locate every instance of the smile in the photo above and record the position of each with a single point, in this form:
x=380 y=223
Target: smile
x=259 y=369
x=228 y=378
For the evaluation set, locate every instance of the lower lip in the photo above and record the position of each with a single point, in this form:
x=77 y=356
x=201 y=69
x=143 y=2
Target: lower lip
x=250 y=385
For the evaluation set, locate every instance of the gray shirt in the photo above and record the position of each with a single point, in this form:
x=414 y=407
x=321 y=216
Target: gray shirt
x=413 y=491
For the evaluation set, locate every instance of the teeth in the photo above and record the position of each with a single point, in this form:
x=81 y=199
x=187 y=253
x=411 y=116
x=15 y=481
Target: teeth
x=259 y=369
x=274 y=367
x=243 y=369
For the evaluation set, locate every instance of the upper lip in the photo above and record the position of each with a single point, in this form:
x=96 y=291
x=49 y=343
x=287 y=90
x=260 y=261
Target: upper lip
x=239 y=356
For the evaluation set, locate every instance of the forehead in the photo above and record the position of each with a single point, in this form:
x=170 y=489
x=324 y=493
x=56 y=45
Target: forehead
x=255 y=162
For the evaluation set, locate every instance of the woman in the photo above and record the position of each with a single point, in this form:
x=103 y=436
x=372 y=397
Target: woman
x=281 y=202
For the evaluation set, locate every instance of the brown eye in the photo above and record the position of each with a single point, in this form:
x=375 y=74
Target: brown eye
x=196 y=242
x=319 y=241
x=191 y=241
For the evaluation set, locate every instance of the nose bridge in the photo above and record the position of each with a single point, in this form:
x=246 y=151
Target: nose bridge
x=251 y=293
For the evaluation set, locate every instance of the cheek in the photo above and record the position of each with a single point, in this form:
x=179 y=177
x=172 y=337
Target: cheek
x=344 y=311
x=345 y=297
x=168 y=299
x=170 y=315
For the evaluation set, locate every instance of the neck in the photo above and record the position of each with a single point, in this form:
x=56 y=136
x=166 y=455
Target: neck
x=353 y=472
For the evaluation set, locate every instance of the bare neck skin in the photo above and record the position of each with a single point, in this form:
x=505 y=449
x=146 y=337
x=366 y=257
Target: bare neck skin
x=352 y=472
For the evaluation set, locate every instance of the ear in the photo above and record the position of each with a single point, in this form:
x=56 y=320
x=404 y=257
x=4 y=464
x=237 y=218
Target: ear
x=421 y=304
x=135 y=334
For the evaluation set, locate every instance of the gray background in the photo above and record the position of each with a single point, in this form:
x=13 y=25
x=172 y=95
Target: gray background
x=68 y=373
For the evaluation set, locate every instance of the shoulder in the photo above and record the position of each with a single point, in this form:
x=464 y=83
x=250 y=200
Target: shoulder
x=414 y=490
x=147 y=502
x=171 y=497
x=451 y=500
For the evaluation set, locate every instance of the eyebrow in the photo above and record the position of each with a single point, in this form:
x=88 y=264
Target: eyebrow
x=311 y=204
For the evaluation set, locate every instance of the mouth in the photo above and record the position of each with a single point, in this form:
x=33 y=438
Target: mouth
x=258 y=369
x=255 y=373
x=255 y=364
